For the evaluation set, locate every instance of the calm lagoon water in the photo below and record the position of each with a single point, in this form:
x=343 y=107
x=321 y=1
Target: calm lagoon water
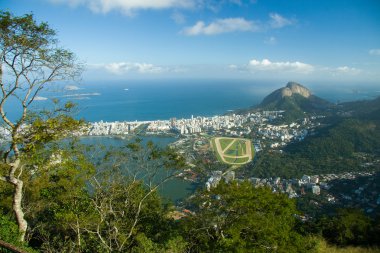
x=175 y=189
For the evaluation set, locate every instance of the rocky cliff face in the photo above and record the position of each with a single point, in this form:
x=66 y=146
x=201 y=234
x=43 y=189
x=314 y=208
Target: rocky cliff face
x=288 y=91
x=295 y=88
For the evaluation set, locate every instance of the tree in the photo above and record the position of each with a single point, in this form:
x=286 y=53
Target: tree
x=30 y=59
x=99 y=199
x=237 y=217
x=348 y=227
x=126 y=211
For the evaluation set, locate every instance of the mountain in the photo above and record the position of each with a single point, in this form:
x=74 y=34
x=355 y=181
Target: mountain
x=366 y=109
x=295 y=100
x=348 y=138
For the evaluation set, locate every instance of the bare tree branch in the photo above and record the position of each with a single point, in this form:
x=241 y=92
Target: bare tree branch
x=11 y=247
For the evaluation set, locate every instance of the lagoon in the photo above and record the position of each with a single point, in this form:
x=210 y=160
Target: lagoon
x=174 y=190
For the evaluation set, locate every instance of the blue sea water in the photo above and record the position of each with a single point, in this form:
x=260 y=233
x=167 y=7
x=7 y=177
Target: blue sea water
x=164 y=99
x=156 y=99
x=152 y=100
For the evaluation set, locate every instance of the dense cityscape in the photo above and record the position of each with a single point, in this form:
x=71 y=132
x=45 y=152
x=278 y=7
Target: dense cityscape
x=195 y=133
x=234 y=125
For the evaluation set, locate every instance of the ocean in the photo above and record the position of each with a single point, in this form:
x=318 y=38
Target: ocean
x=153 y=100
x=165 y=99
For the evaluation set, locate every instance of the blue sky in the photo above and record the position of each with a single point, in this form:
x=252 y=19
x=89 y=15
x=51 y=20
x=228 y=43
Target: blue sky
x=302 y=40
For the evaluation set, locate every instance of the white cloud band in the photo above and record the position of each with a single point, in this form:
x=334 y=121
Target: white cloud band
x=221 y=26
x=127 y=6
x=121 y=68
x=237 y=24
x=267 y=65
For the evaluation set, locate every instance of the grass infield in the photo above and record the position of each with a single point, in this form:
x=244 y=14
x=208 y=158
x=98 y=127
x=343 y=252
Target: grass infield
x=234 y=151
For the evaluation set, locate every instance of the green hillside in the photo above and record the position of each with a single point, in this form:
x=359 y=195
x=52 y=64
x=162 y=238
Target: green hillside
x=349 y=141
x=295 y=100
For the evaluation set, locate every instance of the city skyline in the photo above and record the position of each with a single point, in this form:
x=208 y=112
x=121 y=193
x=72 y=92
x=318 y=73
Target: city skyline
x=146 y=39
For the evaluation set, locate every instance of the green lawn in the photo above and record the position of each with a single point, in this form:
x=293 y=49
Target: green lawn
x=225 y=142
x=216 y=151
x=253 y=151
x=230 y=151
x=230 y=160
x=238 y=146
x=244 y=148
x=242 y=160
x=241 y=148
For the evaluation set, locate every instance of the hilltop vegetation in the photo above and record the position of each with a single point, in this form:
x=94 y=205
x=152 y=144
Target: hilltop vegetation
x=295 y=100
x=365 y=109
x=341 y=147
x=347 y=140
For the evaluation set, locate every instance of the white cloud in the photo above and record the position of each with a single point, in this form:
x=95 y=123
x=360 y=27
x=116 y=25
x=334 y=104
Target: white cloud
x=374 y=52
x=221 y=26
x=38 y=98
x=82 y=94
x=238 y=24
x=268 y=68
x=271 y=41
x=278 y=21
x=127 y=6
x=233 y=66
x=178 y=17
x=344 y=70
x=267 y=65
x=72 y=87
x=121 y=68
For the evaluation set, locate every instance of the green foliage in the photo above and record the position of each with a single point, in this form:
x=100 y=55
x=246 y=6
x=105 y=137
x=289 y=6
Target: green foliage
x=23 y=31
x=294 y=106
x=23 y=39
x=56 y=195
x=9 y=233
x=348 y=227
x=333 y=150
x=240 y=218
x=324 y=247
x=145 y=245
x=73 y=207
x=365 y=109
x=48 y=127
x=8 y=230
x=30 y=59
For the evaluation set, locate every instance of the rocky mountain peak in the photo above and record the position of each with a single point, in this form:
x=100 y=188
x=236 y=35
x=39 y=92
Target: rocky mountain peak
x=295 y=88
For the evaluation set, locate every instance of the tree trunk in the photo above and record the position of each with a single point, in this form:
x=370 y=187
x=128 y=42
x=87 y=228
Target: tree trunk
x=17 y=200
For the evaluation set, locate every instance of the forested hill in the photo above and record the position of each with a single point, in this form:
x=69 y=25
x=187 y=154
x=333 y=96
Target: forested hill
x=349 y=140
x=366 y=109
x=295 y=100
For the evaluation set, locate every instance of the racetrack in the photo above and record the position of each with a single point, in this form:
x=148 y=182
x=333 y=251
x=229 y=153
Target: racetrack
x=244 y=158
